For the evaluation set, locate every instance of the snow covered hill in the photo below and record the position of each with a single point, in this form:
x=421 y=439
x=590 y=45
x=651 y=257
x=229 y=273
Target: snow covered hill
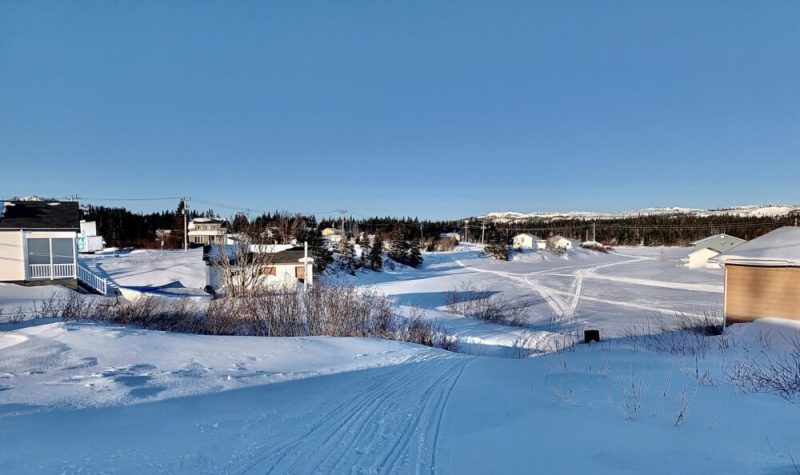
x=744 y=211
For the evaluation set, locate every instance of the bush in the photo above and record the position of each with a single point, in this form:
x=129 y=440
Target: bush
x=321 y=311
x=768 y=373
x=467 y=300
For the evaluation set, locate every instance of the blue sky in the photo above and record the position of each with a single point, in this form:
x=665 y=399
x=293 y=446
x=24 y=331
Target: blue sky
x=437 y=109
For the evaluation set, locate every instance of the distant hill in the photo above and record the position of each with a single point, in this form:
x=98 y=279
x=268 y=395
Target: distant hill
x=742 y=211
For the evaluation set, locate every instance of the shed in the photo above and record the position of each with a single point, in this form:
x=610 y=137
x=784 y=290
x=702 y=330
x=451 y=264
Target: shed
x=762 y=277
x=718 y=242
x=528 y=241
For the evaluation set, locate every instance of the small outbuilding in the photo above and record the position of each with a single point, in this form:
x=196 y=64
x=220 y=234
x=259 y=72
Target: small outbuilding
x=762 y=277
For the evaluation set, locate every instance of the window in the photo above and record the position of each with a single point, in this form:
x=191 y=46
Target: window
x=39 y=251
x=271 y=270
x=198 y=239
x=300 y=272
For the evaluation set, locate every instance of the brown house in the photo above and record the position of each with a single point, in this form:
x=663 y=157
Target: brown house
x=762 y=277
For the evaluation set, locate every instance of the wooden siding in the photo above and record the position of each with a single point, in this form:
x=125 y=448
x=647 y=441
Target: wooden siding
x=755 y=292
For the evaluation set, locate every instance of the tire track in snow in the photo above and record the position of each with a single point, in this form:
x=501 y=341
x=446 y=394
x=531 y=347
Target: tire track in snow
x=400 y=406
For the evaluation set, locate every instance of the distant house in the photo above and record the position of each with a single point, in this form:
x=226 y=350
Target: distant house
x=528 y=241
x=762 y=277
x=561 y=243
x=333 y=235
x=207 y=231
x=38 y=242
x=707 y=248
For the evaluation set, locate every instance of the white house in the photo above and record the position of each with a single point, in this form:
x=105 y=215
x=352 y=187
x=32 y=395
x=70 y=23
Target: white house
x=562 y=243
x=528 y=241
x=285 y=264
x=207 y=231
x=710 y=247
x=288 y=267
x=38 y=241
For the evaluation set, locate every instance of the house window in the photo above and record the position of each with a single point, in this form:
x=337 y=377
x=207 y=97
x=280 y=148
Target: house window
x=51 y=251
x=269 y=271
x=300 y=272
x=38 y=251
x=198 y=239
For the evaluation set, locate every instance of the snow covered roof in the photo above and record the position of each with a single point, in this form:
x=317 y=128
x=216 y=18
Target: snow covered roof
x=777 y=248
x=718 y=236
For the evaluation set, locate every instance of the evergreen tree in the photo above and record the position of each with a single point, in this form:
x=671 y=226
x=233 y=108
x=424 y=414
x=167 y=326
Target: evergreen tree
x=414 y=258
x=346 y=253
x=375 y=256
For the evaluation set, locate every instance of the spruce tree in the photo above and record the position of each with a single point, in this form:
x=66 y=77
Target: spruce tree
x=375 y=256
x=346 y=253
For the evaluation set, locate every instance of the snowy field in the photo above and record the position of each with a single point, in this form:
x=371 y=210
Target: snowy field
x=615 y=293
x=93 y=398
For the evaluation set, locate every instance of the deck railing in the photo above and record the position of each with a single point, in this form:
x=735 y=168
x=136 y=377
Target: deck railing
x=92 y=280
x=51 y=271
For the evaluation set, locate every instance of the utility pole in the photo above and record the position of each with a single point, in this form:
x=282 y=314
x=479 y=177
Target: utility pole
x=185 y=207
x=343 y=211
x=594 y=232
x=466 y=230
x=483 y=230
x=421 y=236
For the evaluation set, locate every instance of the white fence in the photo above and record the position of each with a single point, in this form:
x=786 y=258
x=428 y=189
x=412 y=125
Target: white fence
x=92 y=280
x=54 y=271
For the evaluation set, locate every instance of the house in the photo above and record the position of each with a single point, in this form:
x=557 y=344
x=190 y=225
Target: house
x=528 y=241
x=332 y=235
x=762 y=277
x=207 y=231
x=709 y=247
x=281 y=264
x=38 y=242
x=88 y=240
x=289 y=266
x=561 y=243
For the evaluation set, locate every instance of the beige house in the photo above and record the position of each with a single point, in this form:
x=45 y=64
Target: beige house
x=207 y=231
x=762 y=277
x=333 y=235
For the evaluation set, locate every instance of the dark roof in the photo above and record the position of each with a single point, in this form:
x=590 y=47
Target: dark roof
x=52 y=215
x=289 y=256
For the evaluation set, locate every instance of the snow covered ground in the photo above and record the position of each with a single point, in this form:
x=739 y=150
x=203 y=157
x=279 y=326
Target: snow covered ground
x=92 y=398
x=79 y=398
x=583 y=289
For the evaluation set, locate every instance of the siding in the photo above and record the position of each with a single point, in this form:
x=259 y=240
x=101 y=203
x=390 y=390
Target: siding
x=754 y=292
x=12 y=256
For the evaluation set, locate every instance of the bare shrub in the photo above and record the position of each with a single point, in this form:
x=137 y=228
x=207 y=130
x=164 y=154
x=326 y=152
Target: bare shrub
x=765 y=372
x=331 y=311
x=471 y=302
x=445 y=244
x=679 y=333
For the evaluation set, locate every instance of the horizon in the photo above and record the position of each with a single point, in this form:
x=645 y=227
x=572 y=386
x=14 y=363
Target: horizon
x=439 y=111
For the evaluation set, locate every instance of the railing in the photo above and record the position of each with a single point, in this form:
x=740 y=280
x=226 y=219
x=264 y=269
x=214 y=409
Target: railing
x=54 y=271
x=92 y=280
